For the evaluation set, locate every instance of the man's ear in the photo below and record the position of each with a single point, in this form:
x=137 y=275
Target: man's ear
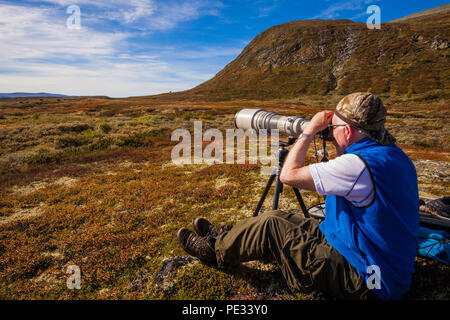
x=348 y=131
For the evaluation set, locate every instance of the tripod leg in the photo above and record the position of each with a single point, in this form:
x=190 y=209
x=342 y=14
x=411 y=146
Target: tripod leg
x=263 y=197
x=301 y=202
x=276 y=195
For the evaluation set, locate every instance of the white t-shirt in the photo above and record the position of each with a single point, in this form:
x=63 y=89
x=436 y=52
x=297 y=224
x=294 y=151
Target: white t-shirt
x=346 y=176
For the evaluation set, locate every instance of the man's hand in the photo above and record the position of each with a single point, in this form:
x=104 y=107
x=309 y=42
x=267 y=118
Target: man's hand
x=319 y=122
x=294 y=172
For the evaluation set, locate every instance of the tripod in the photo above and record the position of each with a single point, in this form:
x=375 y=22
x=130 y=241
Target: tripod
x=281 y=155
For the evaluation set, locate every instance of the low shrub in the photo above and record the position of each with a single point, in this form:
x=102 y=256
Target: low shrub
x=74 y=128
x=44 y=158
x=69 y=141
x=101 y=144
x=104 y=127
x=156 y=119
x=108 y=113
x=135 y=140
x=142 y=139
x=91 y=134
x=433 y=95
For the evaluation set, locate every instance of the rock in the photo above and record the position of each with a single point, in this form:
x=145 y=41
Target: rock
x=439 y=44
x=165 y=275
x=139 y=283
x=443 y=46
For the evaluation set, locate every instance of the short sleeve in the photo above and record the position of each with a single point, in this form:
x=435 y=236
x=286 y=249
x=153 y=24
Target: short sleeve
x=346 y=176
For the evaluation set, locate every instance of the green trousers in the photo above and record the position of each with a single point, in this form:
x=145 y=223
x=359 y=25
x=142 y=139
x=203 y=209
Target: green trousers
x=307 y=261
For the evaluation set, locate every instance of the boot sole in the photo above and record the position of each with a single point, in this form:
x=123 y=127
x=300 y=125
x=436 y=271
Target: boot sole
x=180 y=239
x=196 y=228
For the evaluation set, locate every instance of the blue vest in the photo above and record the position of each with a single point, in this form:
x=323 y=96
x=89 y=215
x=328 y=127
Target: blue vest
x=383 y=234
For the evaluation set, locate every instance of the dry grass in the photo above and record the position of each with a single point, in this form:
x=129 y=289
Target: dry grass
x=89 y=181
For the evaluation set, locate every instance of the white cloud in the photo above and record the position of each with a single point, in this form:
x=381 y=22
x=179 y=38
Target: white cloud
x=266 y=10
x=39 y=53
x=35 y=33
x=150 y=14
x=169 y=14
x=139 y=10
x=334 y=11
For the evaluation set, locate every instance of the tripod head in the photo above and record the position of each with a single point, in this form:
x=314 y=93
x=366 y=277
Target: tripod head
x=324 y=135
x=290 y=142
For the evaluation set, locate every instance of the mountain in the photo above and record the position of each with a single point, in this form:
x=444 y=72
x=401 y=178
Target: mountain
x=337 y=56
x=423 y=14
x=31 y=95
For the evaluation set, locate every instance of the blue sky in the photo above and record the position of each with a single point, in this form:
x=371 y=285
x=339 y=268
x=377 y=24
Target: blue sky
x=143 y=47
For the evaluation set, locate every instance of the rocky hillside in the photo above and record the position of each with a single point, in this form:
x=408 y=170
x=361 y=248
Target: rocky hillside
x=423 y=14
x=338 y=56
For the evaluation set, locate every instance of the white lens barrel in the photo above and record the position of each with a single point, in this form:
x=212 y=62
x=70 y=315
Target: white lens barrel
x=291 y=126
x=244 y=118
x=260 y=119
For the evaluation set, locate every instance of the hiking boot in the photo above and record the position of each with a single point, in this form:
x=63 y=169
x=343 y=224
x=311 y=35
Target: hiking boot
x=205 y=228
x=200 y=247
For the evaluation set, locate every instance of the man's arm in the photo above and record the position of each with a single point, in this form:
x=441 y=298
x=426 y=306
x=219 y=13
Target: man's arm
x=294 y=172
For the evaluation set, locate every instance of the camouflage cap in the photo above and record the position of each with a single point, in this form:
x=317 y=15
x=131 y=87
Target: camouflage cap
x=366 y=112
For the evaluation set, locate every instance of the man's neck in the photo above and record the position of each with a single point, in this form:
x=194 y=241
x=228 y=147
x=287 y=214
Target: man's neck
x=355 y=139
x=352 y=141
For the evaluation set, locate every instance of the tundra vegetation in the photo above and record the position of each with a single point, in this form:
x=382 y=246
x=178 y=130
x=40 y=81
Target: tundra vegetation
x=90 y=182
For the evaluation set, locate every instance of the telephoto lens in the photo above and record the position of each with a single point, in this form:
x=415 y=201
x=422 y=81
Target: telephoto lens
x=258 y=119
